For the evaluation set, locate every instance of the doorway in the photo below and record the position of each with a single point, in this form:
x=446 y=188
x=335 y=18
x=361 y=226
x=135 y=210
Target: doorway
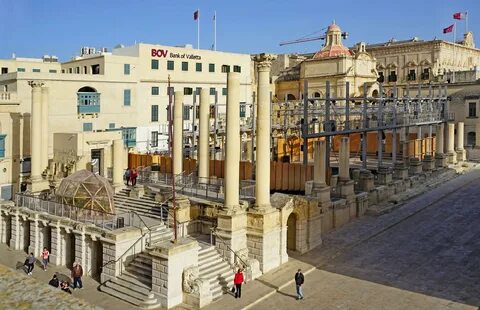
x=97 y=161
x=292 y=232
x=69 y=249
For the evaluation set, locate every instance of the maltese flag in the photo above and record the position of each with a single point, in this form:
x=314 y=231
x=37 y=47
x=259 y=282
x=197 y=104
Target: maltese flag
x=459 y=15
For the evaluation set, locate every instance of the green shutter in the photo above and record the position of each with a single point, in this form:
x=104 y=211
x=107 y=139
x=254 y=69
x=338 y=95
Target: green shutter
x=212 y=91
x=87 y=127
x=126 y=97
x=154 y=64
x=170 y=65
x=154 y=113
x=198 y=67
x=2 y=146
x=211 y=68
x=184 y=66
x=155 y=90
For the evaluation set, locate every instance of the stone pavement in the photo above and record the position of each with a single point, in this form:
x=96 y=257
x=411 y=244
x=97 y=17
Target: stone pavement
x=424 y=255
x=11 y=258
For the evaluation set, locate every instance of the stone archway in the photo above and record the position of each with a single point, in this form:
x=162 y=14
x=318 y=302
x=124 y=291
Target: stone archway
x=292 y=232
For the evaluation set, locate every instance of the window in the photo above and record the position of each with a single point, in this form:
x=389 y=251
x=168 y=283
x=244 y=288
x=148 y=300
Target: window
x=87 y=127
x=35 y=70
x=111 y=126
x=154 y=65
x=381 y=78
x=237 y=69
x=154 y=113
x=392 y=77
x=212 y=91
x=21 y=69
x=225 y=68
x=170 y=65
x=186 y=113
x=198 y=90
x=412 y=75
x=211 y=67
x=154 y=142
x=95 y=69
x=155 y=90
x=184 y=66
x=2 y=145
x=224 y=91
x=187 y=90
x=129 y=136
x=52 y=71
x=426 y=74
x=4 y=70
x=472 y=109
x=70 y=70
x=243 y=109
x=127 y=97
x=126 y=69
x=85 y=70
x=198 y=67
x=77 y=70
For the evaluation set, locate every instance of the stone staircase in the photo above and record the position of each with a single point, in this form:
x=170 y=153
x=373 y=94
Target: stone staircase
x=145 y=205
x=215 y=270
x=135 y=283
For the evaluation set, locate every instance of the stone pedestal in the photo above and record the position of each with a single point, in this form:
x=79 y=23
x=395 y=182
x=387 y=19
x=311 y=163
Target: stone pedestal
x=366 y=181
x=232 y=230
x=37 y=185
x=461 y=155
x=452 y=157
x=400 y=171
x=321 y=191
x=172 y=266
x=415 y=166
x=385 y=176
x=441 y=161
x=137 y=191
x=428 y=163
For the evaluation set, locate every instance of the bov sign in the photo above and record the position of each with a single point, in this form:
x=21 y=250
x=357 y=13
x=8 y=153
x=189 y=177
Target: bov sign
x=164 y=53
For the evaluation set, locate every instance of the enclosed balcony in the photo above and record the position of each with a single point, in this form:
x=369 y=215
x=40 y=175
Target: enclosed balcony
x=88 y=101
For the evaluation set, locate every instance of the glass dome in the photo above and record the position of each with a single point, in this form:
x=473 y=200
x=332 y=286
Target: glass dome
x=86 y=190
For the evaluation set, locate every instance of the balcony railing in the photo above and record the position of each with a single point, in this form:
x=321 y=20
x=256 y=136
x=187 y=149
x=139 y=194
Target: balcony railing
x=88 y=109
x=7 y=96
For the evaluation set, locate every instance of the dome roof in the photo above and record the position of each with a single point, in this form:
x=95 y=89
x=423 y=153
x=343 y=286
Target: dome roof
x=86 y=190
x=333 y=44
x=333 y=27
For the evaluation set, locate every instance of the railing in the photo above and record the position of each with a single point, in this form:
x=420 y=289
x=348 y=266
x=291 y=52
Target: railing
x=101 y=219
x=88 y=109
x=237 y=258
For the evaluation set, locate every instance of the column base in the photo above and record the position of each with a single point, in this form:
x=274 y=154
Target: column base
x=345 y=188
x=366 y=181
x=137 y=191
x=461 y=155
x=321 y=191
x=452 y=157
x=232 y=230
x=400 y=171
x=415 y=166
x=441 y=161
x=37 y=184
x=385 y=176
x=118 y=187
x=428 y=163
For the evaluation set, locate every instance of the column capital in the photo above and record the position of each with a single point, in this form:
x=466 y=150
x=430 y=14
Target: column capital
x=264 y=61
x=35 y=84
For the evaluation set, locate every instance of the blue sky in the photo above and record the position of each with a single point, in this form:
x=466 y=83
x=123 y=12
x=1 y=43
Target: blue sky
x=32 y=28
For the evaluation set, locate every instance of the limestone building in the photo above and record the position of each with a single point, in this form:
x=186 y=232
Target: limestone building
x=125 y=91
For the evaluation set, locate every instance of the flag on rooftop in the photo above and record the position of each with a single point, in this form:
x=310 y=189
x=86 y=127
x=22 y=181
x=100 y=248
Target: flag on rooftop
x=448 y=29
x=196 y=15
x=459 y=15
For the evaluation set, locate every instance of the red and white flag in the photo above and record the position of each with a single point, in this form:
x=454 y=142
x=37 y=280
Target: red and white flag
x=448 y=29
x=459 y=15
x=196 y=15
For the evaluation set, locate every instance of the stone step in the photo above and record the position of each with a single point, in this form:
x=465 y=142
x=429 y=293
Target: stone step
x=119 y=295
x=214 y=271
x=140 y=267
x=205 y=256
x=213 y=260
x=133 y=284
x=127 y=291
x=139 y=201
x=142 y=260
x=142 y=278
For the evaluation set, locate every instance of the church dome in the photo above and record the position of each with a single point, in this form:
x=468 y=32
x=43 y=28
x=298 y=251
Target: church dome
x=333 y=44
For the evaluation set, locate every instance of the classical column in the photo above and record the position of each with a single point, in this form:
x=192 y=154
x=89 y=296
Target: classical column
x=45 y=134
x=203 y=143
x=178 y=133
x=477 y=135
x=319 y=168
x=262 y=164
x=461 y=153
x=118 y=159
x=439 y=139
x=452 y=155
x=232 y=149
x=344 y=160
x=36 y=132
x=420 y=142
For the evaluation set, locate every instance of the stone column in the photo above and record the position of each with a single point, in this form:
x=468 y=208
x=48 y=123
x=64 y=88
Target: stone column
x=118 y=159
x=36 y=139
x=232 y=158
x=452 y=155
x=203 y=141
x=15 y=234
x=319 y=184
x=420 y=142
x=461 y=153
x=344 y=160
x=178 y=133
x=440 y=158
x=263 y=132
x=34 y=246
x=45 y=133
x=477 y=135
x=56 y=244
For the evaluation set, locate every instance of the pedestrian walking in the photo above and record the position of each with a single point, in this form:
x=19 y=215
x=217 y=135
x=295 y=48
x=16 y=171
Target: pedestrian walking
x=54 y=281
x=238 y=281
x=77 y=273
x=30 y=263
x=134 y=177
x=65 y=287
x=299 y=280
x=126 y=175
x=45 y=257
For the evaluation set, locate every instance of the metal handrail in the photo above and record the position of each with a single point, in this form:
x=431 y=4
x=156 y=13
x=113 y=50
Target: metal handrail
x=146 y=226
x=213 y=231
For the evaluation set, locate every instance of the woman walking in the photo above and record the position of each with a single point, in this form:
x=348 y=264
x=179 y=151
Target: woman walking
x=45 y=255
x=238 y=281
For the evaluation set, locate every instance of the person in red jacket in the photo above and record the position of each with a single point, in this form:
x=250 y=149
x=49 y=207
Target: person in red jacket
x=238 y=281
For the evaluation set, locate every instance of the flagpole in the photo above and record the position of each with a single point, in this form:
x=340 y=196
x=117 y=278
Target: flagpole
x=454 y=44
x=466 y=22
x=215 y=31
x=198 y=30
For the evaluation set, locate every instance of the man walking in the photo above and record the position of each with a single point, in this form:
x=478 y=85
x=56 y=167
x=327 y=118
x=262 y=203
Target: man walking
x=77 y=273
x=30 y=263
x=299 y=279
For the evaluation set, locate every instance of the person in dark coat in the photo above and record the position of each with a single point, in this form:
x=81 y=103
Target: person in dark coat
x=30 y=263
x=65 y=287
x=299 y=280
x=238 y=281
x=54 y=281
x=77 y=273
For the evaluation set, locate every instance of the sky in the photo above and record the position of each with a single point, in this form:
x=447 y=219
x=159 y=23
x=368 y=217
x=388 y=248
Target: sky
x=32 y=28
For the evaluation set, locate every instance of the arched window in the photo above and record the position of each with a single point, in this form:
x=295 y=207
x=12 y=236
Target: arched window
x=291 y=97
x=316 y=95
x=471 y=137
x=375 y=93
